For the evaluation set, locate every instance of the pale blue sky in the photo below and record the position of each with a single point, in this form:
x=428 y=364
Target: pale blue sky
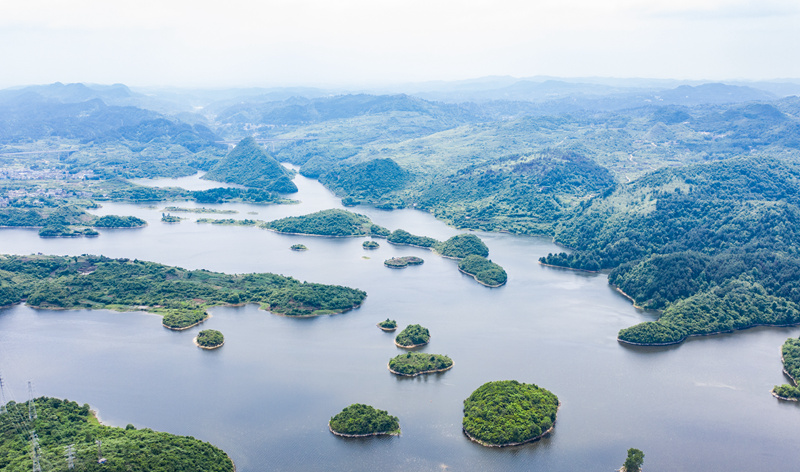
x=371 y=42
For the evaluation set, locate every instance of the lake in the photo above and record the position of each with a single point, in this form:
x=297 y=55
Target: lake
x=266 y=396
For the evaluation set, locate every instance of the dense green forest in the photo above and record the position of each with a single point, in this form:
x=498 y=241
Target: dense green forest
x=415 y=363
x=332 y=222
x=790 y=354
x=401 y=262
x=122 y=284
x=60 y=423
x=250 y=165
x=714 y=246
x=210 y=338
x=413 y=335
x=461 y=246
x=509 y=412
x=370 y=245
x=483 y=270
x=114 y=221
x=363 y=420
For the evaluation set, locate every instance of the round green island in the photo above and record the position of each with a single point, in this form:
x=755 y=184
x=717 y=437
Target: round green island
x=209 y=339
x=298 y=247
x=359 y=420
x=509 y=413
x=388 y=325
x=412 y=364
x=413 y=336
x=370 y=245
x=402 y=262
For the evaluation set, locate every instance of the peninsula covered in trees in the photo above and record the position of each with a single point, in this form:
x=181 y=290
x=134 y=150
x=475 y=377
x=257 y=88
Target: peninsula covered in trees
x=62 y=422
x=483 y=270
x=64 y=221
x=509 y=413
x=413 y=336
x=122 y=284
x=363 y=420
x=417 y=363
x=790 y=355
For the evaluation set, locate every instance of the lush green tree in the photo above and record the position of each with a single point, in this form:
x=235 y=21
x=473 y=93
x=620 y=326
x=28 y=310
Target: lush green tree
x=483 y=270
x=359 y=419
x=210 y=338
x=415 y=363
x=413 y=335
x=634 y=461
x=461 y=246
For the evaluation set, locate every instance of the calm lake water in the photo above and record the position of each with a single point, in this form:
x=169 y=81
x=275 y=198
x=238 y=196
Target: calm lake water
x=267 y=395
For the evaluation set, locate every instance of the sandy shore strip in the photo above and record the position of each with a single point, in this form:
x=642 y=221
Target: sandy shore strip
x=194 y=340
x=409 y=347
x=345 y=435
x=420 y=373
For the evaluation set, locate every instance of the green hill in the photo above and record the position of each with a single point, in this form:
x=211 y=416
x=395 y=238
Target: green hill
x=250 y=165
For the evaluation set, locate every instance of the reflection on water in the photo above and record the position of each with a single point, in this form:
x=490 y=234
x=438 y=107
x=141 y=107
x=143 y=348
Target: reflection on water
x=266 y=396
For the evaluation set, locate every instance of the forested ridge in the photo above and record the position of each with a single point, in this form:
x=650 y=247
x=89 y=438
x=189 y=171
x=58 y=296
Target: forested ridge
x=60 y=423
x=715 y=246
x=123 y=284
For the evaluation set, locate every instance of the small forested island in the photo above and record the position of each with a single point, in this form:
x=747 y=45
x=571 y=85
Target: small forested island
x=401 y=262
x=298 y=247
x=198 y=210
x=209 y=339
x=167 y=218
x=461 y=246
x=509 y=413
x=359 y=420
x=370 y=245
x=417 y=363
x=401 y=236
x=114 y=221
x=227 y=221
x=634 y=461
x=483 y=270
x=413 y=336
x=388 y=325
x=60 y=231
x=180 y=295
x=332 y=222
x=790 y=353
x=62 y=422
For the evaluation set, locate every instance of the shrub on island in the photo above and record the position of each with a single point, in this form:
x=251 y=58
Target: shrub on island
x=388 y=325
x=402 y=262
x=370 y=245
x=412 y=336
x=363 y=420
x=298 y=247
x=210 y=338
x=416 y=363
x=483 y=270
x=507 y=413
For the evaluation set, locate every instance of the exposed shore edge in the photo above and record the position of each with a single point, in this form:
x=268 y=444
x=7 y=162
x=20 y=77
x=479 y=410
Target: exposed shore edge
x=628 y=297
x=476 y=279
x=570 y=268
x=316 y=235
x=209 y=348
x=420 y=373
x=388 y=330
x=345 y=435
x=729 y=331
x=183 y=328
x=410 y=347
x=484 y=443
